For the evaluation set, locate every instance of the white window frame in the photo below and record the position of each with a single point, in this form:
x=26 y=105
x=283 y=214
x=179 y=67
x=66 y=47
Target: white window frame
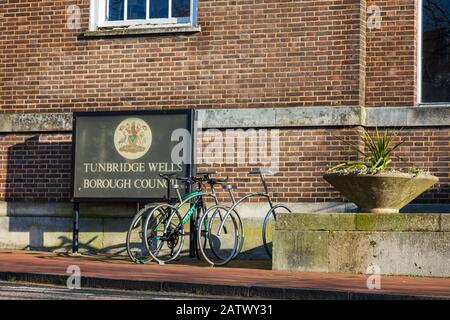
x=419 y=60
x=98 y=12
x=419 y=50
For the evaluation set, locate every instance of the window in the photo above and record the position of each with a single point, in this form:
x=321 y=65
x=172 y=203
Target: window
x=123 y=13
x=434 y=52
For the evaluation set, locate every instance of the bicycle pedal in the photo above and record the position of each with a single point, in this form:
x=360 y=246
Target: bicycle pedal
x=161 y=263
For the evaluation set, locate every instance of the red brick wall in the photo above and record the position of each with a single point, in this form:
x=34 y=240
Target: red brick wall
x=249 y=54
x=428 y=148
x=391 y=55
x=35 y=167
x=305 y=155
x=38 y=167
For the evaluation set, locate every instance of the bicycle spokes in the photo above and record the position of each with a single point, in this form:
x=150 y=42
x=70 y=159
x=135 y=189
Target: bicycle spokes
x=164 y=231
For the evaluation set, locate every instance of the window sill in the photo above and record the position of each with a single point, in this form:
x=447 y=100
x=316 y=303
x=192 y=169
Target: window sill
x=440 y=104
x=142 y=30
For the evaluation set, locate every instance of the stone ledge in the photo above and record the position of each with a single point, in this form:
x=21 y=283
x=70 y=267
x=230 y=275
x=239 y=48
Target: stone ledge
x=445 y=222
x=364 y=222
x=65 y=209
x=408 y=117
x=248 y=210
x=35 y=122
x=262 y=118
x=280 y=117
x=145 y=30
x=398 y=222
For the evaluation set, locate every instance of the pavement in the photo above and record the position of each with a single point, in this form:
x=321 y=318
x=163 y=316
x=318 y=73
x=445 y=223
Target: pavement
x=21 y=291
x=241 y=279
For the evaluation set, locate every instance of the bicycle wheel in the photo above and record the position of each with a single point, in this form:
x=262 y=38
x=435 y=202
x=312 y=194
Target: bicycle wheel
x=164 y=231
x=222 y=244
x=268 y=227
x=240 y=225
x=136 y=249
x=238 y=219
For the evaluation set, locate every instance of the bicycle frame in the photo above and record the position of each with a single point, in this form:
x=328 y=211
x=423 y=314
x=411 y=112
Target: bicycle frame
x=193 y=208
x=237 y=203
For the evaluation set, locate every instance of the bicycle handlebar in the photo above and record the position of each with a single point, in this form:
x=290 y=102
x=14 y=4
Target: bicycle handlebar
x=205 y=173
x=167 y=176
x=211 y=181
x=261 y=173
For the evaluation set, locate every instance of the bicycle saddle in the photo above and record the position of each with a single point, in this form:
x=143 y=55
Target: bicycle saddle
x=229 y=187
x=260 y=171
x=213 y=181
x=205 y=173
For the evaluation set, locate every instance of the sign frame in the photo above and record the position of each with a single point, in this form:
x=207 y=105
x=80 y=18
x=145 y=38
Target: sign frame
x=190 y=113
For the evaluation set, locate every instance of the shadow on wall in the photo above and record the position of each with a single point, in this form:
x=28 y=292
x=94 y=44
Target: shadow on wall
x=440 y=193
x=39 y=171
x=37 y=188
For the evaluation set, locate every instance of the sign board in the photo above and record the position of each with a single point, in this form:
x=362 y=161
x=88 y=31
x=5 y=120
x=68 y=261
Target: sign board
x=117 y=156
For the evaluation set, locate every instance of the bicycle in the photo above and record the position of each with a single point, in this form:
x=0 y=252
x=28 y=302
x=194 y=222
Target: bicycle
x=136 y=249
x=207 y=220
x=164 y=225
x=271 y=214
x=215 y=240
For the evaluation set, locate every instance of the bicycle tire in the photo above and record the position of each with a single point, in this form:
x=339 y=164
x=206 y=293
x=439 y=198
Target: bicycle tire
x=221 y=260
x=131 y=229
x=269 y=214
x=169 y=215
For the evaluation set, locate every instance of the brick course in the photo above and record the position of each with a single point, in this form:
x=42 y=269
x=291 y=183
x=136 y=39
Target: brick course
x=391 y=55
x=38 y=167
x=249 y=54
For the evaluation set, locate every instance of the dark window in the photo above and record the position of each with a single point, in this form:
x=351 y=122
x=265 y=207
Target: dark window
x=115 y=10
x=151 y=9
x=181 y=8
x=137 y=9
x=159 y=9
x=436 y=51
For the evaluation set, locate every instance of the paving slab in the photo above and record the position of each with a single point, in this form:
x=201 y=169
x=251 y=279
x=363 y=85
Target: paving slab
x=255 y=280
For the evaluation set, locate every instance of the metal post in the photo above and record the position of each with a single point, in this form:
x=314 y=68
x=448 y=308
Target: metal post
x=75 y=231
x=196 y=230
x=192 y=242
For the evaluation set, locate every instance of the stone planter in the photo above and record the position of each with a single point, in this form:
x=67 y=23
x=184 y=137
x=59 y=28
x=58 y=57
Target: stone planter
x=383 y=192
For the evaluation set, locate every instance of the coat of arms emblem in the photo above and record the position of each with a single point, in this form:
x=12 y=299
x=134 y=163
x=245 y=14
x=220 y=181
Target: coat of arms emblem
x=132 y=138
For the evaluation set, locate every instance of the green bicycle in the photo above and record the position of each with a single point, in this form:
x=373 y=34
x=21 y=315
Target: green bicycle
x=136 y=249
x=164 y=227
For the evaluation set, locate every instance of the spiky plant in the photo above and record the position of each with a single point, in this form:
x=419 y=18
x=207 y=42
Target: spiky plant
x=378 y=154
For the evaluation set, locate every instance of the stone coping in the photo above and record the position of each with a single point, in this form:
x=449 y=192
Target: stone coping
x=326 y=116
x=363 y=222
x=126 y=210
x=144 y=30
